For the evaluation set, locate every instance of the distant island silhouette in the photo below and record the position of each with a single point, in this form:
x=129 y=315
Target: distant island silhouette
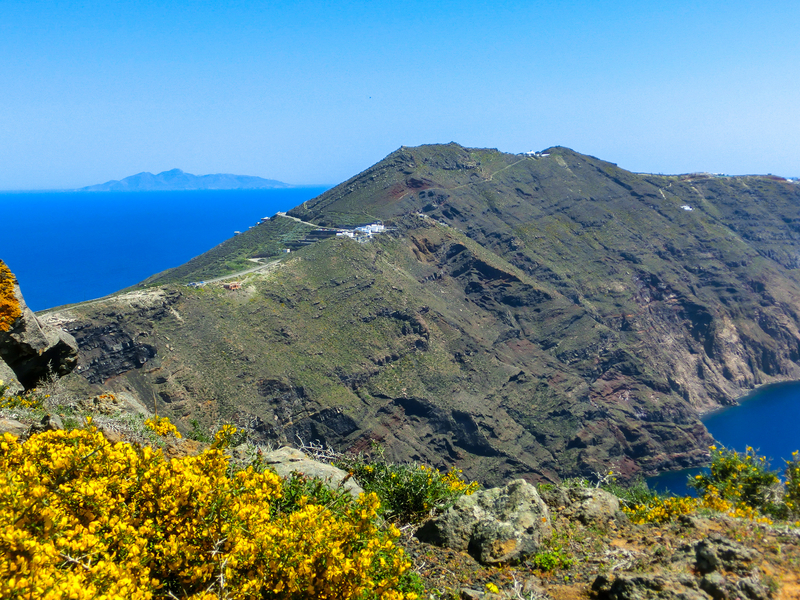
x=178 y=180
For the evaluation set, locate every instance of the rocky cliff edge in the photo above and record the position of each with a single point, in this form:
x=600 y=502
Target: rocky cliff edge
x=29 y=349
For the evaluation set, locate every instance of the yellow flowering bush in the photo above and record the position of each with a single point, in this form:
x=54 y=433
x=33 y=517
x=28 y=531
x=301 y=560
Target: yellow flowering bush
x=30 y=399
x=741 y=479
x=737 y=484
x=660 y=510
x=224 y=437
x=82 y=518
x=9 y=305
x=452 y=479
x=162 y=426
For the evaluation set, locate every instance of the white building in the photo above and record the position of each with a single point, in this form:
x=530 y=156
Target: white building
x=372 y=228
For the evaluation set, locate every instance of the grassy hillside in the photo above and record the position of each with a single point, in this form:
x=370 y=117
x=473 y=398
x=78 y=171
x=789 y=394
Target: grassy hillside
x=524 y=316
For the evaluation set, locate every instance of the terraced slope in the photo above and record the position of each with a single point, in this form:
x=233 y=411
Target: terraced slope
x=525 y=316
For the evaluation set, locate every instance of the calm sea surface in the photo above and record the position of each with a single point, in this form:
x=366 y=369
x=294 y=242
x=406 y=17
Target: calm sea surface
x=767 y=419
x=67 y=247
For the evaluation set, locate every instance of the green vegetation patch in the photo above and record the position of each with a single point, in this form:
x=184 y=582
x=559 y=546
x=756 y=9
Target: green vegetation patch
x=266 y=240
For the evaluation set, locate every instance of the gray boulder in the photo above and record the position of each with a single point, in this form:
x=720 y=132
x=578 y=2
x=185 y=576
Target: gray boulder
x=591 y=505
x=30 y=348
x=497 y=525
x=646 y=587
x=718 y=552
x=587 y=505
x=9 y=378
x=48 y=423
x=286 y=460
x=12 y=426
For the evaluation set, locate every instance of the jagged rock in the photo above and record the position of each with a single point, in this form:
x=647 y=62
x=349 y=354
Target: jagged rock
x=714 y=585
x=12 y=426
x=286 y=460
x=591 y=505
x=48 y=423
x=111 y=436
x=718 y=552
x=720 y=588
x=31 y=349
x=751 y=587
x=644 y=587
x=587 y=505
x=9 y=378
x=470 y=594
x=555 y=496
x=497 y=525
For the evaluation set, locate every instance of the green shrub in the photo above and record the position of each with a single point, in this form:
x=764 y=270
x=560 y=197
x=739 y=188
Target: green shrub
x=791 y=496
x=198 y=433
x=550 y=560
x=635 y=493
x=408 y=492
x=554 y=553
x=411 y=584
x=301 y=490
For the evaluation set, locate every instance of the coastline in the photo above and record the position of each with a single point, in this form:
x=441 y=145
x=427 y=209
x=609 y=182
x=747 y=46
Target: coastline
x=743 y=398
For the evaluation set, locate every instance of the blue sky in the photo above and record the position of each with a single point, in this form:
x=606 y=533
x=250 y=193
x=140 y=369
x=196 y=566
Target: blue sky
x=314 y=92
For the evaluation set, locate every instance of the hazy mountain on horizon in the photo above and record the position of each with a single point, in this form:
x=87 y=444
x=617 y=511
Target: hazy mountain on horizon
x=178 y=180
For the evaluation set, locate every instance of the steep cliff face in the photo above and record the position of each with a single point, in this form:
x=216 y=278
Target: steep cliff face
x=703 y=267
x=524 y=316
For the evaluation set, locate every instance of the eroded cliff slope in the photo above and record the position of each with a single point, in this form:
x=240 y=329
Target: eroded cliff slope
x=524 y=316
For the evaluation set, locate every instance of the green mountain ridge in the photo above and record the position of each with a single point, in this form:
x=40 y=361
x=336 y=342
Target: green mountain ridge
x=537 y=316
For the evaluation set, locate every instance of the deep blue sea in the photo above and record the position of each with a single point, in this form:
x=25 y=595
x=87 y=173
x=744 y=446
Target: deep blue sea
x=768 y=419
x=67 y=247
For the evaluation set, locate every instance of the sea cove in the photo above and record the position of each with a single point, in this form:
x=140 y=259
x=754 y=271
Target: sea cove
x=766 y=419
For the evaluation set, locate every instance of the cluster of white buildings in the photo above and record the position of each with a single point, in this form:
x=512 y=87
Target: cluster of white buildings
x=362 y=233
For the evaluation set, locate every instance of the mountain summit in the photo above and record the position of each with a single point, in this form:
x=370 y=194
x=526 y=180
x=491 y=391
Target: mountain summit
x=178 y=180
x=540 y=315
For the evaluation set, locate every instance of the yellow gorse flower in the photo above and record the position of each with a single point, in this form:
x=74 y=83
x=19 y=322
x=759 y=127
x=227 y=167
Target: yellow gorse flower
x=162 y=426
x=29 y=399
x=82 y=518
x=9 y=305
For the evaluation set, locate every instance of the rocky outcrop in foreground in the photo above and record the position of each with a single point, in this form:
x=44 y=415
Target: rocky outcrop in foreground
x=609 y=558
x=30 y=350
x=285 y=461
x=523 y=541
x=497 y=525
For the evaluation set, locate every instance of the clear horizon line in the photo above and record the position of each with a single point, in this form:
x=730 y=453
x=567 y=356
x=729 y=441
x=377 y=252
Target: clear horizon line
x=83 y=189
